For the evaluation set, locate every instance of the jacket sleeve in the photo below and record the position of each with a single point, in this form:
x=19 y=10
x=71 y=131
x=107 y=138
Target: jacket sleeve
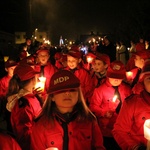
x=95 y=103
x=97 y=142
x=37 y=138
x=123 y=127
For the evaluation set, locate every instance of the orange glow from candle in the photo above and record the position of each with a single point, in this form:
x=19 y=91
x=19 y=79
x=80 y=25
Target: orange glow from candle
x=41 y=83
x=89 y=59
x=129 y=75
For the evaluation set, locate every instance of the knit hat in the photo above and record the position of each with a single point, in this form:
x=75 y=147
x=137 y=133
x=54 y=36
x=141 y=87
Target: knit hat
x=145 y=54
x=145 y=71
x=116 y=70
x=63 y=80
x=74 y=52
x=25 y=72
x=10 y=63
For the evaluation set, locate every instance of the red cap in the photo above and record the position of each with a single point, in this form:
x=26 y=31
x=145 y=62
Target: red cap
x=63 y=80
x=25 y=72
x=145 y=54
x=75 y=52
x=10 y=63
x=145 y=71
x=105 y=58
x=42 y=50
x=30 y=60
x=91 y=55
x=116 y=70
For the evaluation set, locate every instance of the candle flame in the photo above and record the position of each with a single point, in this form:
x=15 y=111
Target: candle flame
x=114 y=98
x=89 y=59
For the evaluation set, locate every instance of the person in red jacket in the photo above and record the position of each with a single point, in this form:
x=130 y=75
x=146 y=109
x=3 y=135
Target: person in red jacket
x=66 y=123
x=128 y=129
x=45 y=67
x=10 y=65
x=22 y=103
x=99 y=65
x=7 y=142
x=107 y=100
x=138 y=59
x=74 y=65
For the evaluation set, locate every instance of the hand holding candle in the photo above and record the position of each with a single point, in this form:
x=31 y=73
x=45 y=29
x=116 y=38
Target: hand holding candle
x=129 y=75
x=113 y=103
x=41 y=84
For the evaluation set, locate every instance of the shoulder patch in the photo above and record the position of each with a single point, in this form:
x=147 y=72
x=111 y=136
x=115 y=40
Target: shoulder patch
x=22 y=102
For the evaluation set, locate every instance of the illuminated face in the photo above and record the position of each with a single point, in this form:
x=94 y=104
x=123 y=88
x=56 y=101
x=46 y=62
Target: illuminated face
x=28 y=42
x=72 y=62
x=99 y=66
x=43 y=57
x=139 y=62
x=115 y=82
x=147 y=83
x=10 y=70
x=66 y=100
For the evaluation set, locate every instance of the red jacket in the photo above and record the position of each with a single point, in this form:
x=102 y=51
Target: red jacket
x=22 y=117
x=85 y=81
x=4 y=85
x=100 y=105
x=82 y=135
x=128 y=129
x=8 y=143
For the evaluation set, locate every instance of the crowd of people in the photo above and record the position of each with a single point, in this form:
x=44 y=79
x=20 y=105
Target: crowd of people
x=68 y=100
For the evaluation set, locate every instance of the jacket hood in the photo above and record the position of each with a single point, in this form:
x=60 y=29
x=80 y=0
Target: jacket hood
x=14 y=98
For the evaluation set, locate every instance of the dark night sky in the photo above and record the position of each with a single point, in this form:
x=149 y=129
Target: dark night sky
x=70 y=18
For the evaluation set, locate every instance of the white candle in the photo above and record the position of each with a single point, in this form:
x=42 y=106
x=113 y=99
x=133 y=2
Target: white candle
x=147 y=132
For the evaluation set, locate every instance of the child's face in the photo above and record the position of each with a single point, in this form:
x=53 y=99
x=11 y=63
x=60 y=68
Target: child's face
x=99 y=66
x=43 y=57
x=72 y=62
x=10 y=70
x=66 y=100
x=147 y=83
x=115 y=82
x=139 y=62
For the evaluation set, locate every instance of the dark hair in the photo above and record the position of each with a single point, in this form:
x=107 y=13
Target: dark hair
x=15 y=84
x=84 y=112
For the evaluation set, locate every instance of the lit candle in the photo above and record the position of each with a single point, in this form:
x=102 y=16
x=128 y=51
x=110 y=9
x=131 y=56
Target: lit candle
x=41 y=83
x=147 y=132
x=113 y=103
x=89 y=59
x=129 y=75
x=52 y=148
